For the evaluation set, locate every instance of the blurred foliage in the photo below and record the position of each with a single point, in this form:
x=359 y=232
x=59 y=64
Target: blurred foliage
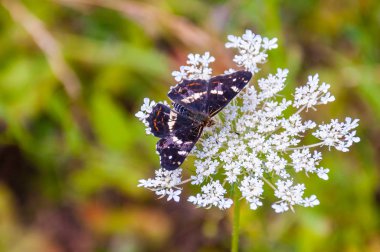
x=74 y=72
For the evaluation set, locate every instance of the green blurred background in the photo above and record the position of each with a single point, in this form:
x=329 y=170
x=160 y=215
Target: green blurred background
x=74 y=72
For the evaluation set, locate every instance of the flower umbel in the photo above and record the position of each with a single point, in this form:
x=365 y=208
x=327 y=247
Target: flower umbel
x=256 y=143
x=197 y=68
x=165 y=184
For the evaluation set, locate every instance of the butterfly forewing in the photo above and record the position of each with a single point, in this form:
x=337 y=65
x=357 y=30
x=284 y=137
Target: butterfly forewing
x=192 y=94
x=223 y=88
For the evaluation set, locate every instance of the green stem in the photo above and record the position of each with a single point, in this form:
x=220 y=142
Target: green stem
x=236 y=221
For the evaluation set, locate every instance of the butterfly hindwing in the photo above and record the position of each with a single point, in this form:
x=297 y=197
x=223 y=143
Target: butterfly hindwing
x=174 y=148
x=223 y=88
x=159 y=120
x=190 y=93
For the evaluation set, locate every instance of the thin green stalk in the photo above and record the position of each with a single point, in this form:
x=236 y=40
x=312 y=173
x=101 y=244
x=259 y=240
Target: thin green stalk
x=236 y=221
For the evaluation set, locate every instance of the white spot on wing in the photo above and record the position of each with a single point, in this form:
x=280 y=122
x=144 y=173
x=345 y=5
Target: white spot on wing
x=235 y=89
x=173 y=118
x=216 y=92
x=182 y=153
x=176 y=140
x=193 y=97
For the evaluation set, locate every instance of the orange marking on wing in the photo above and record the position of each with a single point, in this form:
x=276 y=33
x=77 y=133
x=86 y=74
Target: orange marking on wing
x=155 y=124
x=194 y=84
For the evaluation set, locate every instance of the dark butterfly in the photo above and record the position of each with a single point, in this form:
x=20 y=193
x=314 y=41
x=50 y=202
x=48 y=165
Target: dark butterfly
x=195 y=102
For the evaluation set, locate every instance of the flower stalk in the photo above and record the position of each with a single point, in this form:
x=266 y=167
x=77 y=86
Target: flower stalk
x=236 y=221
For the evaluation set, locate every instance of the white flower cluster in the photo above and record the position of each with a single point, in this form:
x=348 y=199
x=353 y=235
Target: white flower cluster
x=252 y=49
x=212 y=195
x=291 y=195
x=339 y=135
x=312 y=94
x=144 y=112
x=165 y=183
x=257 y=140
x=197 y=68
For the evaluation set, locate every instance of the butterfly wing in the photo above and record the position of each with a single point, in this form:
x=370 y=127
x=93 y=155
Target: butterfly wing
x=174 y=148
x=158 y=120
x=223 y=88
x=192 y=94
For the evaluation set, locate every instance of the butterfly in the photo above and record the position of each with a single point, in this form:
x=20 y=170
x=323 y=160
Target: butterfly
x=195 y=102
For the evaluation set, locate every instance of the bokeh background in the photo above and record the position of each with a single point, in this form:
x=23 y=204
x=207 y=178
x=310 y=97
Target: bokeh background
x=74 y=72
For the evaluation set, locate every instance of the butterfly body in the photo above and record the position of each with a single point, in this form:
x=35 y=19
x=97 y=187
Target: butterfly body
x=195 y=102
x=200 y=117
